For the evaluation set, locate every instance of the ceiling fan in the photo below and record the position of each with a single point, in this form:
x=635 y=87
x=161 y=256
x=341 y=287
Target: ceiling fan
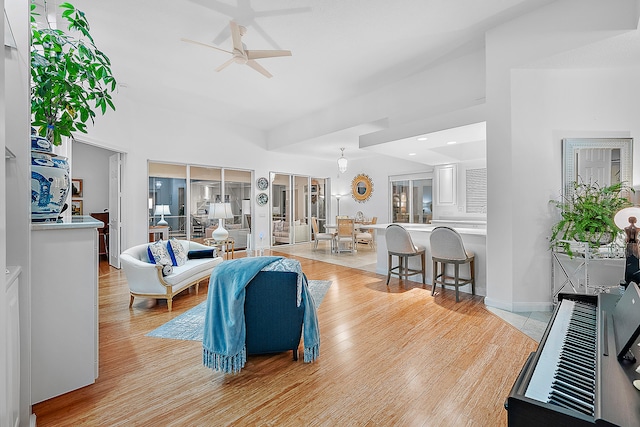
x=241 y=55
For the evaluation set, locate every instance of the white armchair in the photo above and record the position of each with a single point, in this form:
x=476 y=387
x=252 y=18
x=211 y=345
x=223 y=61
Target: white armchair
x=146 y=280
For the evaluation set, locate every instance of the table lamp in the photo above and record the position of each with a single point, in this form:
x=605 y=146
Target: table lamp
x=162 y=210
x=626 y=220
x=220 y=211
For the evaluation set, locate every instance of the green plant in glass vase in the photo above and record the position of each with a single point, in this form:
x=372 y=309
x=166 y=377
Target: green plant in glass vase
x=70 y=77
x=587 y=215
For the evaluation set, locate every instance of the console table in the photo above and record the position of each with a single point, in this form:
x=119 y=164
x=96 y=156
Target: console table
x=162 y=230
x=585 y=272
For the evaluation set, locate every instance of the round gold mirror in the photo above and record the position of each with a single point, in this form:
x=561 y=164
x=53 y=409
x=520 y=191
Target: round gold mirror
x=361 y=188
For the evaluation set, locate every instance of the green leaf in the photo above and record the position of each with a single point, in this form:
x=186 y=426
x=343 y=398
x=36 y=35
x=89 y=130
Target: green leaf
x=67 y=71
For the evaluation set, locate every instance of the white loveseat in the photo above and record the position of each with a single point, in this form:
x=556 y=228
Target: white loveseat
x=146 y=281
x=282 y=232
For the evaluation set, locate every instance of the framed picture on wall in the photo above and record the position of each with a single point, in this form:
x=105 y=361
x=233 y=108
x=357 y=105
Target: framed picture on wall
x=76 y=207
x=76 y=187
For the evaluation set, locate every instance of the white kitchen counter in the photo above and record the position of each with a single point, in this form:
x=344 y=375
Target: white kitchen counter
x=82 y=221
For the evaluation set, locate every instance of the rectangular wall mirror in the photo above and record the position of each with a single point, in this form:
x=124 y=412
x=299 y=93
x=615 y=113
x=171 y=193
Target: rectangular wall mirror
x=604 y=161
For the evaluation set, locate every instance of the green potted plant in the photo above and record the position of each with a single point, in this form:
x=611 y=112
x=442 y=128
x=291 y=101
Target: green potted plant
x=70 y=77
x=587 y=215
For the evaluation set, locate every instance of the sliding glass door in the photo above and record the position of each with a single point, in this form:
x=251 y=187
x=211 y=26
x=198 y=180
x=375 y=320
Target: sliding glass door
x=318 y=203
x=411 y=199
x=167 y=195
x=237 y=192
x=206 y=184
x=183 y=195
x=421 y=196
x=294 y=200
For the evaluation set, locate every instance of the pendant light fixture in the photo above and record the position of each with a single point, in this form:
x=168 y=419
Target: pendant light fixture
x=342 y=162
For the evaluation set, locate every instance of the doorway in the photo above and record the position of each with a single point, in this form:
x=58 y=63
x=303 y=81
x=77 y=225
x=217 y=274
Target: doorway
x=100 y=170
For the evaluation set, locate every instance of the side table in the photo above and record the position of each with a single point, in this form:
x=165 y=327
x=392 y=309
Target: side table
x=224 y=246
x=586 y=272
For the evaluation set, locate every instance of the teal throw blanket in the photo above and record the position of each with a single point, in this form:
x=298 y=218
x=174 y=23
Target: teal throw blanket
x=224 y=329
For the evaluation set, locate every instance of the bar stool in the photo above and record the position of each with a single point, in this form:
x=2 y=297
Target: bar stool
x=447 y=248
x=399 y=243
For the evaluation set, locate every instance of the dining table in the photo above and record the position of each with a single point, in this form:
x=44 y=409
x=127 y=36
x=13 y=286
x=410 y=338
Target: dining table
x=356 y=227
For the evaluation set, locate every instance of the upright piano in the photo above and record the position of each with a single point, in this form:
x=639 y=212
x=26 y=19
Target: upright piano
x=583 y=371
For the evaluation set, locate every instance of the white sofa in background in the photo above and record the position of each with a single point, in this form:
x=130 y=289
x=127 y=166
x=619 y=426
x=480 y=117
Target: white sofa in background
x=282 y=231
x=146 y=281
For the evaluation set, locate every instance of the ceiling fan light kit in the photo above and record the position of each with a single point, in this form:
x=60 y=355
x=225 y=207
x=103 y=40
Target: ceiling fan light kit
x=241 y=55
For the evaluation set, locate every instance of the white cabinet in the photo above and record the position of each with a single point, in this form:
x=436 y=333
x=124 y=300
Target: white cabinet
x=446 y=177
x=64 y=307
x=12 y=416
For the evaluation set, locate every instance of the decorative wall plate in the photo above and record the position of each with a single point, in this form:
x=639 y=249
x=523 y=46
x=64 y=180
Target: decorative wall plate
x=262 y=199
x=262 y=183
x=361 y=188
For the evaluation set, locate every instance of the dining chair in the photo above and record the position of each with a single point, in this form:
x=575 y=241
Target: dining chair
x=317 y=236
x=399 y=244
x=447 y=248
x=365 y=236
x=345 y=235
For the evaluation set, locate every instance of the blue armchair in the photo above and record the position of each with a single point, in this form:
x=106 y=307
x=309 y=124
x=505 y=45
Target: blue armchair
x=253 y=308
x=273 y=321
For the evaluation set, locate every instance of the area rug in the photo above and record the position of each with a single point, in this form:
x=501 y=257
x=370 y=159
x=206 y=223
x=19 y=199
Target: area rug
x=190 y=324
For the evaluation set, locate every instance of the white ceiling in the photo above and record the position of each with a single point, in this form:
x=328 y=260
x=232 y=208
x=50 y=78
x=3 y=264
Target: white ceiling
x=339 y=49
x=461 y=144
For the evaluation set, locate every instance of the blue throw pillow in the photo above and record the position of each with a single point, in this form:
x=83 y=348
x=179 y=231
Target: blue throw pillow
x=205 y=253
x=158 y=253
x=176 y=252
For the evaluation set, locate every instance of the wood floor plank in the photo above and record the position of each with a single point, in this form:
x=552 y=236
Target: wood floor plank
x=389 y=356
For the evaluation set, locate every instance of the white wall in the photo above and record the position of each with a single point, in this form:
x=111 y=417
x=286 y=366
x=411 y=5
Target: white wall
x=172 y=136
x=4 y=319
x=148 y=132
x=378 y=168
x=593 y=103
x=18 y=182
x=523 y=152
x=91 y=164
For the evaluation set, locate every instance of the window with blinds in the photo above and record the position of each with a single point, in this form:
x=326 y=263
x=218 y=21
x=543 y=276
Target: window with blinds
x=476 y=190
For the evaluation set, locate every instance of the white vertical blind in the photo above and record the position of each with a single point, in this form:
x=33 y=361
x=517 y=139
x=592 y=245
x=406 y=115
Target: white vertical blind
x=476 y=190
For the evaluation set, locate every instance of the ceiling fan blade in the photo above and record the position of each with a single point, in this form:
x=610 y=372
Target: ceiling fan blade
x=236 y=36
x=225 y=65
x=257 y=54
x=259 y=68
x=205 y=45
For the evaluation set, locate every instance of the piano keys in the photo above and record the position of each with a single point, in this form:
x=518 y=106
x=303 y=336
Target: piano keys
x=566 y=373
x=575 y=378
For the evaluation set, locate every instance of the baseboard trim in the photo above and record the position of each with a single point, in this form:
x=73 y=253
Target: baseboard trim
x=518 y=306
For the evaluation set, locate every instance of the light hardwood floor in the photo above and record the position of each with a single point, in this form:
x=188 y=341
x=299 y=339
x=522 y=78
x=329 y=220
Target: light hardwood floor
x=388 y=356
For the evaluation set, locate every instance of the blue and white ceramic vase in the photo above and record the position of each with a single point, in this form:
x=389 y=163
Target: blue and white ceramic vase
x=49 y=180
